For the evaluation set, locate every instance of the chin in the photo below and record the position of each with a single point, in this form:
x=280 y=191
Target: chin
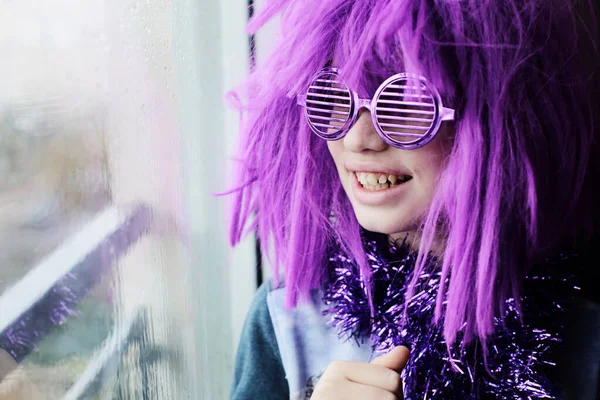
x=388 y=226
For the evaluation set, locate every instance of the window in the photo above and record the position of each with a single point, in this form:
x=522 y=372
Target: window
x=116 y=279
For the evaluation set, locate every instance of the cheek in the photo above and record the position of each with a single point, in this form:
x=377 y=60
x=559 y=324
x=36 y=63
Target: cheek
x=427 y=164
x=428 y=161
x=428 y=168
x=336 y=149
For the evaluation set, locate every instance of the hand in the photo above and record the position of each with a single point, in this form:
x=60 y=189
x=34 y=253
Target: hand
x=378 y=380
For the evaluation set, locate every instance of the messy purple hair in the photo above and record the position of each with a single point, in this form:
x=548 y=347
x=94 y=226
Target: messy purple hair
x=521 y=75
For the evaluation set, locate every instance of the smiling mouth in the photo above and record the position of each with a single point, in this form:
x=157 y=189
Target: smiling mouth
x=375 y=181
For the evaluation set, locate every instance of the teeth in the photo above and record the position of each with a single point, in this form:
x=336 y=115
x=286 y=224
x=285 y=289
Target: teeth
x=362 y=178
x=372 y=179
x=379 y=186
x=376 y=181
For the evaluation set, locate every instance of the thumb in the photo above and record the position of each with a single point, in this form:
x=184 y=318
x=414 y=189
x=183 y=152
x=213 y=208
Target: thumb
x=395 y=359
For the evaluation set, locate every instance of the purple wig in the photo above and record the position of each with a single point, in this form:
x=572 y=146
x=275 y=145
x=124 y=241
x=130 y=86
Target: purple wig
x=522 y=76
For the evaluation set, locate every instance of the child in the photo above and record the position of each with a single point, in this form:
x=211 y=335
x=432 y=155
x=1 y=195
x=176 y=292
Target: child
x=423 y=171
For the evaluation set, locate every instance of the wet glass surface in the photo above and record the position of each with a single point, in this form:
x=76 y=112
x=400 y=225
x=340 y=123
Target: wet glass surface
x=98 y=297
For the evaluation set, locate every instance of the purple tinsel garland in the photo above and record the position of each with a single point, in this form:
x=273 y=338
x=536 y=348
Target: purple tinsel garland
x=521 y=356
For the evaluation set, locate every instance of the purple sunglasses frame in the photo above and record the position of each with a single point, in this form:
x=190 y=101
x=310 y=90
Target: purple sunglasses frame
x=357 y=103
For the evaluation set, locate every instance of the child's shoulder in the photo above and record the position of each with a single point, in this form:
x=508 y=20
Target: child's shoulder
x=307 y=343
x=258 y=369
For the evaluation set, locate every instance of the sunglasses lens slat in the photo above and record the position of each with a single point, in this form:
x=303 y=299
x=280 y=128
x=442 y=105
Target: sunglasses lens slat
x=398 y=118
x=324 y=118
x=417 y=97
x=323 y=87
x=328 y=105
x=329 y=79
x=403 y=86
x=418 y=104
x=403 y=110
x=409 y=127
x=321 y=125
x=319 y=111
x=327 y=120
x=328 y=96
x=405 y=134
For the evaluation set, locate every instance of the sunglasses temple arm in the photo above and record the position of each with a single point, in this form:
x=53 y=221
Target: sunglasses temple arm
x=447 y=114
x=301 y=101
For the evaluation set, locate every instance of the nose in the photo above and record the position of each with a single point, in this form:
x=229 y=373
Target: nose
x=363 y=136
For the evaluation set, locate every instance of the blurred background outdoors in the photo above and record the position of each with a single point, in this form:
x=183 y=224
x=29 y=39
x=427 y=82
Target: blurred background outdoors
x=116 y=279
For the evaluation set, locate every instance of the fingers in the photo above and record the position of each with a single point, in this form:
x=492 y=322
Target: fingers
x=365 y=374
x=395 y=359
x=379 y=379
x=347 y=390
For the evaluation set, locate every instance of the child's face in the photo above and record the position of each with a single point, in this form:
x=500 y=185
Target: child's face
x=398 y=209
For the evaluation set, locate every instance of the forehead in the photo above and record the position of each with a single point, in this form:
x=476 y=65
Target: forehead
x=366 y=76
x=368 y=40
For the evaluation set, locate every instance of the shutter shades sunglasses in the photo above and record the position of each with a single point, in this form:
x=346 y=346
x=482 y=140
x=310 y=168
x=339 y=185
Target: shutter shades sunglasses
x=406 y=109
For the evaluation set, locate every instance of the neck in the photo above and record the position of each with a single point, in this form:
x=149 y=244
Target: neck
x=414 y=240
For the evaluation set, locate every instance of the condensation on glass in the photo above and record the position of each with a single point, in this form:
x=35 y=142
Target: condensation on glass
x=97 y=298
